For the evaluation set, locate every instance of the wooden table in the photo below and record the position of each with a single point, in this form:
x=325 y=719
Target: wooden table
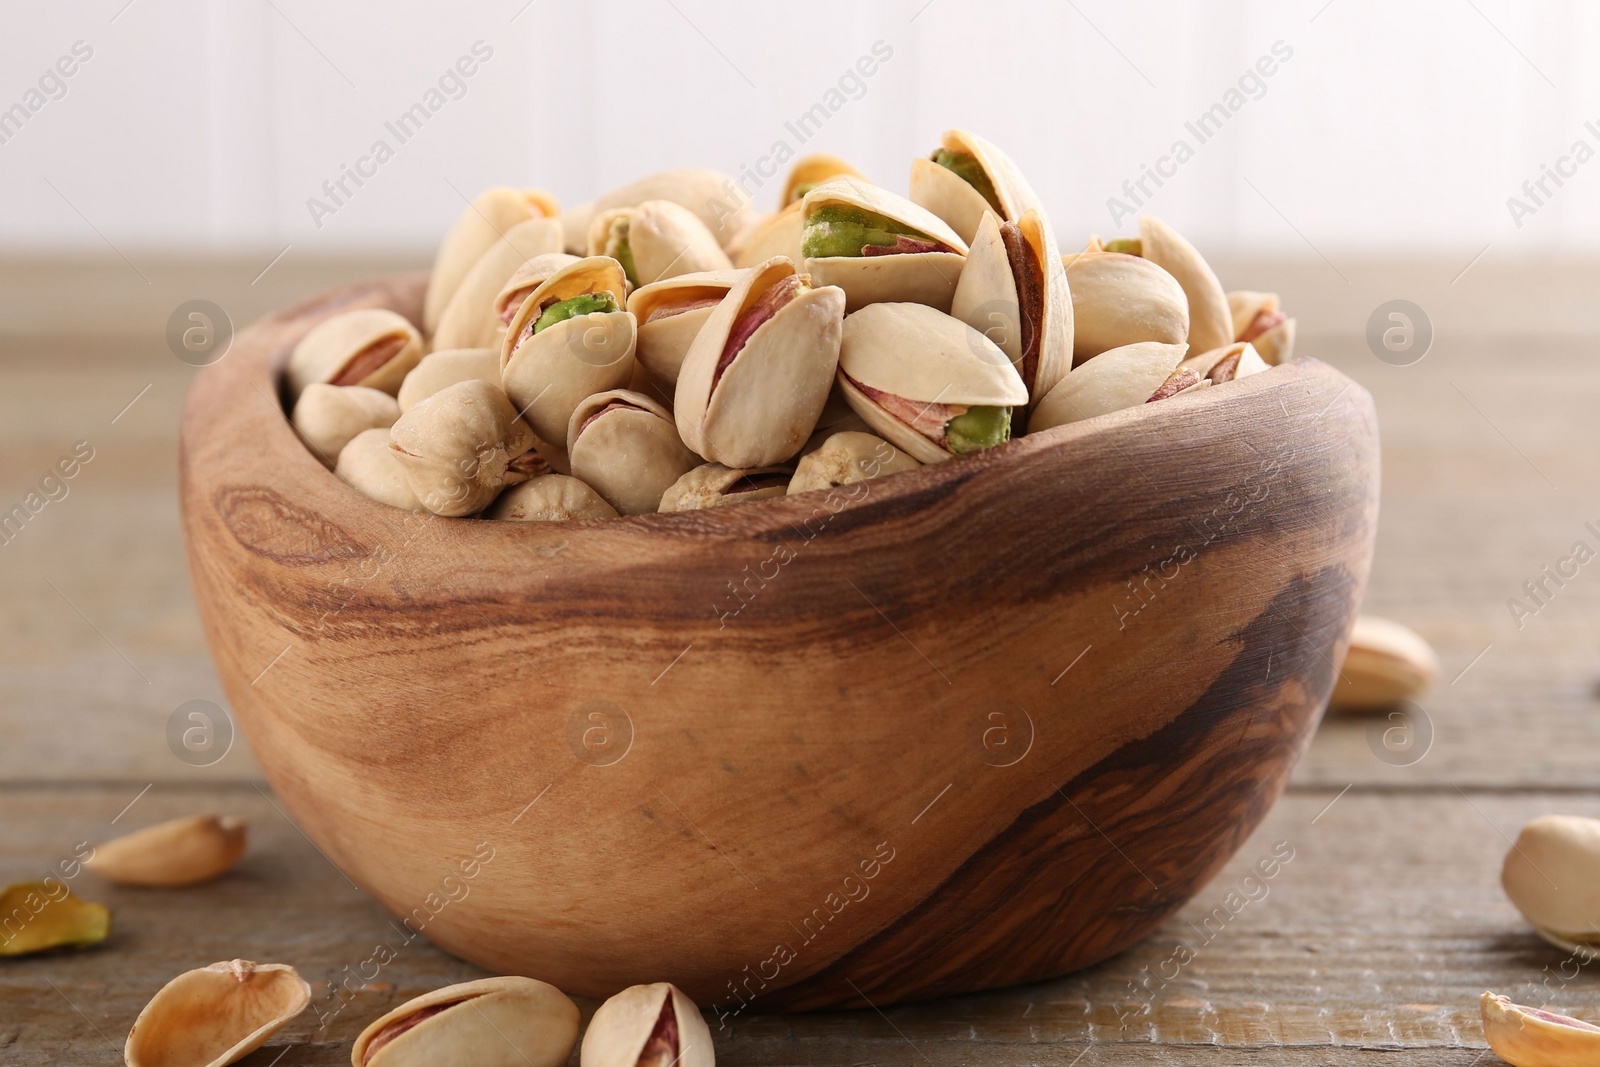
x=1378 y=934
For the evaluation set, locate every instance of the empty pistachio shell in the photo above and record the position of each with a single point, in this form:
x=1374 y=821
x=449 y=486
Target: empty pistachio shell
x=1552 y=875
x=1228 y=363
x=669 y=316
x=215 y=1015
x=370 y=467
x=373 y=347
x=475 y=231
x=1386 y=663
x=845 y=458
x=1121 y=378
x=928 y=383
x=1118 y=299
x=493 y=1022
x=459 y=447
x=446 y=367
x=625 y=446
x=40 y=916
x=966 y=176
x=879 y=247
x=1533 y=1037
x=176 y=853
x=550 y=498
x=648 y=1026
x=328 y=417
x=656 y=240
x=469 y=320
x=759 y=372
x=711 y=485
x=720 y=205
x=1210 y=321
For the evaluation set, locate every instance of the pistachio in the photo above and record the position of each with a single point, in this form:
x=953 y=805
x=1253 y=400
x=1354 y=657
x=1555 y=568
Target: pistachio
x=550 y=498
x=1118 y=300
x=1257 y=319
x=373 y=347
x=776 y=235
x=967 y=176
x=328 y=417
x=648 y=1026
x=493 y=1022
x=575 y=227
x=1182 y=380
x=711 y=485
x=1533 y=1037
x=1210 y=322
x=459 y=447
x=215 y=1015
x=176 y=853
x=521 y=283
x=625 y=446
x=1123 y=377
x=670 y=314
x=1228 y=363
x=40 y=916
x=758 y=373
x=469 y=319
x=1385 y=663
x=1552 y=875
x=879 y=247
x=656 y=240
x=446 y=367
x=369 y=466
x=808 y=172
x=845 y=458
x=476 y=229
x=719 y=204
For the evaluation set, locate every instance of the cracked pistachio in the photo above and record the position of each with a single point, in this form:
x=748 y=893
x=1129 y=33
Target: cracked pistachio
x=1118 y=300
x=368 y=465
x=1552 y=875
x=1124 y=377
x=929 y=384
x=446 y=367
x=462 y=446
x=966 y=176
x=493 y=1022
x=648 y=1026
x=780 y=234
x=40 y=916
x=328 y=417
x=656 y=240
x=670 y=314
x=1533 y=1037
x=1228 y=363
x=625 y=446
x=879 y=247
x=373 y=347
x=711 y=485
x=475 y=231
x=1210 y=321
x=758 y=374
x=215 y=1015
x=808 y=172
x=845 y=458
x=522 y=282
x=1258 y=319
x=1183 y=380
x=469 y=320
x=550 y=498
x=719 y=204
x=176 y=853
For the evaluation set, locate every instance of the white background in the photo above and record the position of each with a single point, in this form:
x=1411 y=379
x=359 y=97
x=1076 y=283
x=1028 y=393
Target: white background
x=203 y=126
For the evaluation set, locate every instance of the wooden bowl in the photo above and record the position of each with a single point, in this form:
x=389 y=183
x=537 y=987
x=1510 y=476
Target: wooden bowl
x=981 y=723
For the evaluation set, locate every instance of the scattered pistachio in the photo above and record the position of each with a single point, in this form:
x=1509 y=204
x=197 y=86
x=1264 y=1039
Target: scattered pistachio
x=1552 y=875
x=215 y=1015
x=176 y=853
x=493 y=1022
x=1533 y=1037
x=1385 y=663
x=40 y=916
x=648 y=1026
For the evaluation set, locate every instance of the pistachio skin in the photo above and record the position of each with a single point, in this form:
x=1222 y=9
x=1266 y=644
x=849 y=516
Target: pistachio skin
x=1533 y=1037
x=55 y=920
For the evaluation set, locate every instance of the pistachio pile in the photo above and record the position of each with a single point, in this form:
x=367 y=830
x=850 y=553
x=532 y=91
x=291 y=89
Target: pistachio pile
x=665 y=348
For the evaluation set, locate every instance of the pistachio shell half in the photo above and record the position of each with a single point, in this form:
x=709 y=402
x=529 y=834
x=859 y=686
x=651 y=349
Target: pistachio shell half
x=469 y=320
x=655 y=240
x=758 y=373
x=845 y=458
x=176 y=853
x=40 y=916
x=493 y=1022
x=1230 y=362
x=966 y=176
x=328 y=417
x=550 y=498
x=459 y=447
x=215 y=1015
x=879 y=247
x=625 y=446
x=670 y=314
x=1552 y=875
x=1210 y=322
x=648 y=1026
x=711 y=485
x=373 y=347
x=1121 y=378
x=370 y=467
x=444 y=368
x=1118 y=299
x=1533 y=1037
x=720 y=205
x=493 y=213
x=1258 y=319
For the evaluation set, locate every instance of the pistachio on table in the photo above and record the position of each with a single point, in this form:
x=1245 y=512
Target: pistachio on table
x=493 y=1022
x=624 y=446
x=1385 y=663
x=176 y=853
x=368 y=465
x=845 y=458
x=461 y=446
x=1258 y=319
x=1118 y=300
x=652 y=1025
x=966 y=176
x=711 y=485
x=550 y=498
x=656 y=240
x=328 y=417
x=1533 y=1037
x=1552 y=875
x=879 y=247
x=1210 y=321
x=469 y=319
x=41 y=916
x=1121 y=378
x=215 y=1015
x=475 y=231
x=373 y=347
x=669 y=315
x=445 y=367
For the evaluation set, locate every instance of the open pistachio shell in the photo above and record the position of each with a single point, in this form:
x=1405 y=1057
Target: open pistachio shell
x=1183 y=380
x=956 y=200
x=176 y=853
x=548 y=373
x=327 y=417
x=521 y=283
x=1257 y=318
x=476 y=229
x=919 y=277
x=493 y=1022
x=1210 y=322
x=1552 y=875
x=669 y=315
x=1121 y=378
x=1119 y=299
x=370 y=467
x=648 y=1026
x=625 y=446
x=446 y=367
x=930 y=368
x=720 y=204
x=215 y=1015
x=550 y=498
x=655 y=240
x=845 y=458
x=1533 y=1037
x=1238 y=360
x=750 y=399
x=711 y=485
x=1013 y=290
x=469 y=319
x=373 y=347
x=778 y=235
x=40 y=916
x=807 y=172
x=458 y=447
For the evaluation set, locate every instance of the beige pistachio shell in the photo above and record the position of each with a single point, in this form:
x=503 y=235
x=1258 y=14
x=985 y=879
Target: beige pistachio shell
x=369 y=466
x=469 y=319
x=457 y=447
x=328 y=417
x=44 y=916
x=778 y=235
x=621 y=1032
x=814 y=170
x=720 y=205
x=176 y=853
x=1121 y=378
x=1533 y=1037
x=1386 y=662
x=1243 y=307
x=1228 y=363
x=1276 y=343
x=631 y=453
x=493 y=1022
x=1552 y=875
x=1181 y=381
x=215 y=1015
x=767 y=400
x=954 y=200
x=711 y=485
x=575 y=227
x=550 y=498
x=476 y=229
x=521 y=283
x=444 y=368
x=845 y=458
x=1210 y=322
x=340 y=347
x=919 y=277
x=662 y=344
x=665 y=240
x=1118 y=300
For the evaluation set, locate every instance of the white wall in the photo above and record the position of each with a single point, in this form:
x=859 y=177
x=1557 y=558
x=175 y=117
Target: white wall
x=1398 y=125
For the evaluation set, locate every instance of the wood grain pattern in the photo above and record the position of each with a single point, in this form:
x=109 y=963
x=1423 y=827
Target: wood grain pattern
x=810 y=797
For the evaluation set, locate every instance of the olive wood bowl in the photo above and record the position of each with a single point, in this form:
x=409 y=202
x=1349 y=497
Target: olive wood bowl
x=981 y=723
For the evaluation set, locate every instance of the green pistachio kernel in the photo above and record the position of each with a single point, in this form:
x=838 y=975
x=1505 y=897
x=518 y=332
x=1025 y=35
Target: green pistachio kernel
x=839 y=230
x=573 y=307
x=623 y=250
x=978 y=428
x=1128 y=246
x=801 y=190
x=969 y=170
